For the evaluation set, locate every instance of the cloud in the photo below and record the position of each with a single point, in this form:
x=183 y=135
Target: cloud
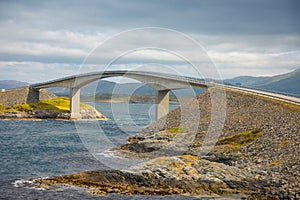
x=242 y=37
x=230 y=16
x=233 y=64
x=46 y=45
x=33 y=72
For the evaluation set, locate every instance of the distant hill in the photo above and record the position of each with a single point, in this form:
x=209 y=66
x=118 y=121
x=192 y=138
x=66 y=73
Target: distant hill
x=11 y=84
x=288 y=83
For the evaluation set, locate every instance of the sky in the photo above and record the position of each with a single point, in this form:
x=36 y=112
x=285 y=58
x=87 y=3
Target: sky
x=42 y=40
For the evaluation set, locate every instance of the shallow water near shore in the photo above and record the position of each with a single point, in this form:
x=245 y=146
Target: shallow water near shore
x=33 y=149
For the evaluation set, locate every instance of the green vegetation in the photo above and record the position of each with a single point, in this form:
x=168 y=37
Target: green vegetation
x=57 y=104
x=169 y=133
x=176 y=130
x=2 y=108
x=20 y=107
x=60 y=104
x=240 y=139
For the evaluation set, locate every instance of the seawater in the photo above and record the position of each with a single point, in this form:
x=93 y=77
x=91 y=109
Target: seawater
x=37 y=149
x=34 y=149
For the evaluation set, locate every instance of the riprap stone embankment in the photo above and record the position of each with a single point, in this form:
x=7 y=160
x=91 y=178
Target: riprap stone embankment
x=20 y=96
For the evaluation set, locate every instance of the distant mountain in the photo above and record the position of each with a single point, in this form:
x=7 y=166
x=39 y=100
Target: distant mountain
x=59 y=91
x=11 y=84
x=288 y=83
x=133 y=88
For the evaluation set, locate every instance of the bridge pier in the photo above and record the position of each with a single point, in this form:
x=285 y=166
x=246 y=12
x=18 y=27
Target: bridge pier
x=75 y=103
x=33 y=95
x=162 y=101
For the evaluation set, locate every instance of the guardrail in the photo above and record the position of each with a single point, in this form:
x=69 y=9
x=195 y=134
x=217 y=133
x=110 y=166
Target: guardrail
x=271 y=95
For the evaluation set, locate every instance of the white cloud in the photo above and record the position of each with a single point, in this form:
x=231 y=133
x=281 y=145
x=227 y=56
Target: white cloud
x=256 y=64
x=33 y=72
x=17 y=42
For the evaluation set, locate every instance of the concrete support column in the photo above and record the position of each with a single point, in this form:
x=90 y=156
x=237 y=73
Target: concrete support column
x=162 y=101
x=33 y=95
x=75 y=103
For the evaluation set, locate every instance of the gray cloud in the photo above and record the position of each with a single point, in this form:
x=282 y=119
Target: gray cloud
x=216 y=17
x=241 y=36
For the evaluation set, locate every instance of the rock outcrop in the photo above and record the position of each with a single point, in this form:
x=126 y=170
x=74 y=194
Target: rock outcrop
x=188 y=175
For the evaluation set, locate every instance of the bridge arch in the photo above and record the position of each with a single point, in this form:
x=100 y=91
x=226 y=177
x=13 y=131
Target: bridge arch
x=160 y=82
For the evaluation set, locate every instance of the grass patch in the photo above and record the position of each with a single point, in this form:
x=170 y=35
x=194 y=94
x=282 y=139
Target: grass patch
x=21 y=107
x=170 y=133
x=60 y=104
x=2 y=108
x=240 y=139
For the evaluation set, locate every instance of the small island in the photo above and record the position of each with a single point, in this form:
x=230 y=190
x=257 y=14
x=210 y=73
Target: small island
x=14 y=106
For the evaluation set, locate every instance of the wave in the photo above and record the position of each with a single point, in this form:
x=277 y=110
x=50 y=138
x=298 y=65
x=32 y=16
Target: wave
x=108 y=154
x=28 y=183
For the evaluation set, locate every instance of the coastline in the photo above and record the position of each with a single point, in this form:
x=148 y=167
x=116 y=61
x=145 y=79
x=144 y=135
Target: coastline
x=49 y=119
x=89 y=113
x=243 y=161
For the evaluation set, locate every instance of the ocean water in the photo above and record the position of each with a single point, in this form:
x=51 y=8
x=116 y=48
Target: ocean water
x=35 y=149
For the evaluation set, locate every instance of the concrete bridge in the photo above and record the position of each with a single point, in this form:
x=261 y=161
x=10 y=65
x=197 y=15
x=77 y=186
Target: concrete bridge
x=160 y=82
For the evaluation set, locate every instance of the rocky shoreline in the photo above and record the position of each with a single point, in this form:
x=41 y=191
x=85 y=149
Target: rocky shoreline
x=256 y=157
x=87 y=113
x=161 y=176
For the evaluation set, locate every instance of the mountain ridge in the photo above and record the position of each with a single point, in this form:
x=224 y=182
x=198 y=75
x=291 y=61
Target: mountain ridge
x=287 y=83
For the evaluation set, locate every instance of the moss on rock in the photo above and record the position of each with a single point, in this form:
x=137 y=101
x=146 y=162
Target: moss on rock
x=240 y=139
